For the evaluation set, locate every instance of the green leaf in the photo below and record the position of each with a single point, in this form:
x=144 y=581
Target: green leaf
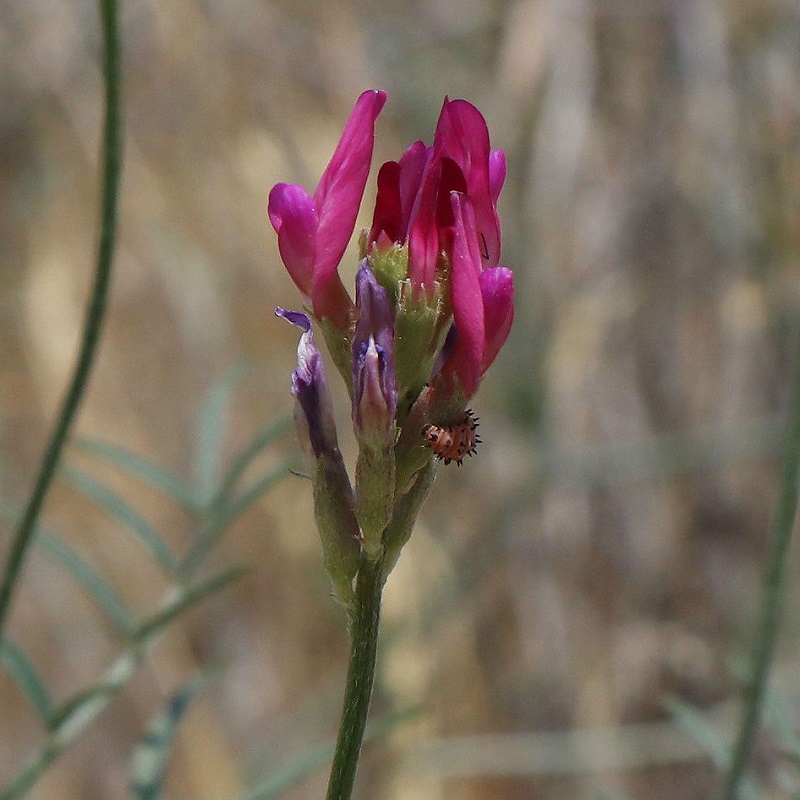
x=71 y=718
x=290 y=774
x=119 y=509
x=106 y=599
x=144 y=470
x=224 y=515
x=211 y=428
x=186 y=599
x=151 y=757
x=28 y=680
x=265 y=437
x=709 y=738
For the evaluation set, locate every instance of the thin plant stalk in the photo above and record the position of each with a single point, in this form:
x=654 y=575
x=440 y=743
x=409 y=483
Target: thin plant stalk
x=774 y=592
x=360 y=679
x=112 y=164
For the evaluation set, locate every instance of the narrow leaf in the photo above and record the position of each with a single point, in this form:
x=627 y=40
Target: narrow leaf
x=211 y=428
x=263 y=439
x=151 y=757
x=186 y=599
x=77 y=713
x=144 y=470
x=277 y=783
x=28 y=679
x=119 y=509
x=106 y=599
x=224 y=515
x=709 y=738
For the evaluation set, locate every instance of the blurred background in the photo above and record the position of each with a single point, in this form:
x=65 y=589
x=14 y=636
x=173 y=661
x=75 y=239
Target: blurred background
x=602 y=555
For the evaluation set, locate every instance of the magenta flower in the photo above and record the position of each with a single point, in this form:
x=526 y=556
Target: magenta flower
x=313 y=232
x=433 y=305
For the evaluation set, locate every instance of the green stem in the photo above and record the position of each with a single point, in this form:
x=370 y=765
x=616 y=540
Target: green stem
x=112 y=152
x=774 y=590
x=360 y=678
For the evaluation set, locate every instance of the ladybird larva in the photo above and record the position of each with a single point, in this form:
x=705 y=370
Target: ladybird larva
x=453 y=442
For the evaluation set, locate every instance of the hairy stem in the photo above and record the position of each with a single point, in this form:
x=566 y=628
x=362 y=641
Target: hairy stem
x=360 y=678
x=112 y=152
x=774 y=591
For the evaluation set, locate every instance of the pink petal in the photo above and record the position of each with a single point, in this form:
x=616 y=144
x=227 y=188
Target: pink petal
x=291 y=212
x=423 y=233
x=341 y=187
x=467 y=300
x=462 y=135
x=399 y=185
x=414 y=166
x=497 y=291
x=386 y=219
x=497 y=174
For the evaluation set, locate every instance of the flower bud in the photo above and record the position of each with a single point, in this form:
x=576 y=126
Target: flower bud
x=334 y=503
x=314 y=411
x=374 y=389
x=374 y=409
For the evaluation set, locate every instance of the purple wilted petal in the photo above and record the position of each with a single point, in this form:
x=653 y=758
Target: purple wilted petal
x=310 y=389
x=299 y=318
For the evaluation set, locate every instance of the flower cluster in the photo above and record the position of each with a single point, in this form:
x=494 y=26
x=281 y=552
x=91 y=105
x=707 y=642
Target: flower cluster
x=432 y=310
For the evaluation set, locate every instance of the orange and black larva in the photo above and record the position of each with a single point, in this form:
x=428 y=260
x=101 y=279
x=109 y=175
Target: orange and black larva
x=454 y=442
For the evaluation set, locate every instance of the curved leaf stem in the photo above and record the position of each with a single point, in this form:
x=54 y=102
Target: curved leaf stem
x=112 y=162
x=774 y=591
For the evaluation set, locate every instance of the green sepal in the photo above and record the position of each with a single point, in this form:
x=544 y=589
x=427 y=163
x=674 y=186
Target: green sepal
x=374 y=494
x=334 y=510
x=340 y=347
x=417 y=337
x=390 y=267
x=405 y=513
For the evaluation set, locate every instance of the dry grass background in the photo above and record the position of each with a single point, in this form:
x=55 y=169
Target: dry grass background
x=604 y=550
